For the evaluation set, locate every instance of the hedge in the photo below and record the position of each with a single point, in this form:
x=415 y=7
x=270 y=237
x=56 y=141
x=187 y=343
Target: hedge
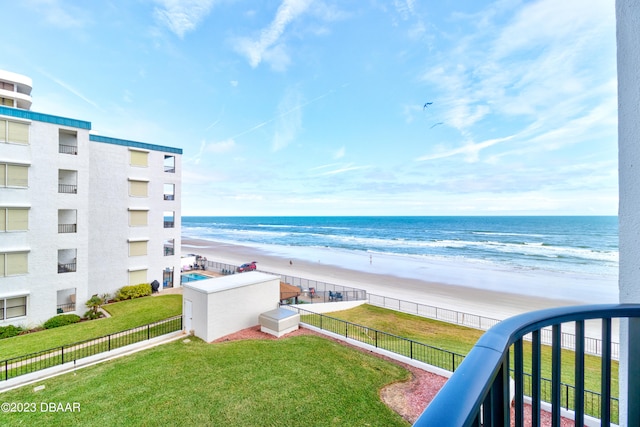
x=133 y=291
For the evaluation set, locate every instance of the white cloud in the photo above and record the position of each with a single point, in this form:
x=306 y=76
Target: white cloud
x=268 y=46
x=339 y=153
x=182 y=16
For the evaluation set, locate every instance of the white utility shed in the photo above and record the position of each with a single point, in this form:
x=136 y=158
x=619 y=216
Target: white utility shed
x=220 y=306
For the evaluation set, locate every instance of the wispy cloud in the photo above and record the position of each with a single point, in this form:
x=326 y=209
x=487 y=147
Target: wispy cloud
x=289 y=119
x=61 y=14
x=340 y=153
x=268 y=45
x=286 y=108
x=182 y=16
x=526 y=74
x=71 y=89
x=342 y=169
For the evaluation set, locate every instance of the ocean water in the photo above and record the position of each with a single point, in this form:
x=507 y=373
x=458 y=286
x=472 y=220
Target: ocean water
x=564 y=257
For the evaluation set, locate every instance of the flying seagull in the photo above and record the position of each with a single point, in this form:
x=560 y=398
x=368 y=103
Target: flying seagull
x=426 y=105
x=439 y=123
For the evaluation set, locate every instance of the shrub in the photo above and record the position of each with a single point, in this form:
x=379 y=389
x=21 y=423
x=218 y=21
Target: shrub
x=94 y=304
x=61 y=320
x=133 y=291
x=10 y=331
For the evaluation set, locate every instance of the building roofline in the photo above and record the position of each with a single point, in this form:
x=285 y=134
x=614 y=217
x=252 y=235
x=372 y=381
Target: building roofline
x=135 y=144
x=41 y=117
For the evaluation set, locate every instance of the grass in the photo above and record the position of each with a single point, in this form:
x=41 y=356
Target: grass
x=461 y=339
x=125 y=315
x=304 y=380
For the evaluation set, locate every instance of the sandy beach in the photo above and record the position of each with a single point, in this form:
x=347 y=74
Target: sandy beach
x=488 y=303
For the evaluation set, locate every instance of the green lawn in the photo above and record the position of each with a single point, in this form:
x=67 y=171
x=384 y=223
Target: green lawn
x=461 y=339
x=125 y=315
x=299 y=381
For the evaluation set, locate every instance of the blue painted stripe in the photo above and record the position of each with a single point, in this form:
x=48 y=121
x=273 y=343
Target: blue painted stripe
x=135 y=144
x=46 y=118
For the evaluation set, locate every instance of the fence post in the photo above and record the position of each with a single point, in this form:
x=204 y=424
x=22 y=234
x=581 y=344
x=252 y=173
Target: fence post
x=62 y=349
x=376 y=338
x=109 y=342
x=6 y=370
x=411 y=349
x=148 y=332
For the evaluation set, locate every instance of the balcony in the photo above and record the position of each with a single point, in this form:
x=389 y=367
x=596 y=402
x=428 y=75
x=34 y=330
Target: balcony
x=69 y=267
x=67 y=228
x=68 y=188
x=479 y=391
x=68 y=149
x=168 y=224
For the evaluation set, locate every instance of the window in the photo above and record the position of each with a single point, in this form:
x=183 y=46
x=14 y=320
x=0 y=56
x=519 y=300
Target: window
x=13 y=263
x=67 y=181
x=13 y=307
x=67 y=260
x=138 y=248
x=7 y=102
x=138 y=188
x=67 y=142
x=14 y=175
x=15 y=132
x=139 y=158
x=137 y=276
x=169 y=191
x=169 y=247
x=138 y=218
x=169 y=219
x=170 y=164
x=67 y=221
x=14 y=219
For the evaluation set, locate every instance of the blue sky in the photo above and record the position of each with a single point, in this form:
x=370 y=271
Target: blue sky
x=317 y=107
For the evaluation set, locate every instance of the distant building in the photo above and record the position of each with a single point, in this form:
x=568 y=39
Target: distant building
x=80 y=214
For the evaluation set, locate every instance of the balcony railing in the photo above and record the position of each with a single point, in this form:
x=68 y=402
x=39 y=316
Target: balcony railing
x=168 y=224
x=170 y=169
x=68 y=149
x=68 y=188
x=67 y=228
x=63 y=308
x=169 y=197
x=478 y=393
x=67 y=268
x=168 y=250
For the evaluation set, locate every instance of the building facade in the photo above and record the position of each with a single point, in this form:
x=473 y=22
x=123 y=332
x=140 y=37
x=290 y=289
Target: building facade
x=80 y=214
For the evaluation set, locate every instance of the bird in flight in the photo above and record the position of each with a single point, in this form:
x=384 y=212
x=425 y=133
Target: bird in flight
x=426 y=105
x=439 y=123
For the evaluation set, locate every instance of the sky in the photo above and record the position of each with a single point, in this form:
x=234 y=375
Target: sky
x=342 y=107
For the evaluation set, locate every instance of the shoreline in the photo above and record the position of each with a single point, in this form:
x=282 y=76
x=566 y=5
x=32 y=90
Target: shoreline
x=483 y=302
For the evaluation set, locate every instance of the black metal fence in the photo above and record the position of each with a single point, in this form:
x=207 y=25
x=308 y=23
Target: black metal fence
x=383 y=340
x=26 y=364
x=568 y=340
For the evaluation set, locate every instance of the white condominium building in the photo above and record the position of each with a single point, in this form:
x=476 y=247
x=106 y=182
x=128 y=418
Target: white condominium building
x=80 y=214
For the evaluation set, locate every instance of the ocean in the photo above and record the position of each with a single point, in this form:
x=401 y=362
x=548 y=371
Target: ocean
x=562 y=257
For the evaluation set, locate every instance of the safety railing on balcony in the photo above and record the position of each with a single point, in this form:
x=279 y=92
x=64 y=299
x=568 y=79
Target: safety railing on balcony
x=479 y=391
x=67 y=268
x=68 y=188
x=67 y=228
x=68 y=149
x=168 y=224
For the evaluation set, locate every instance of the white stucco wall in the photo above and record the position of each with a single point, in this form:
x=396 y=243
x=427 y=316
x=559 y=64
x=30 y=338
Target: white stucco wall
x=42 y=239
x=109 y=212
x=224 y=305
x=628 y=41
